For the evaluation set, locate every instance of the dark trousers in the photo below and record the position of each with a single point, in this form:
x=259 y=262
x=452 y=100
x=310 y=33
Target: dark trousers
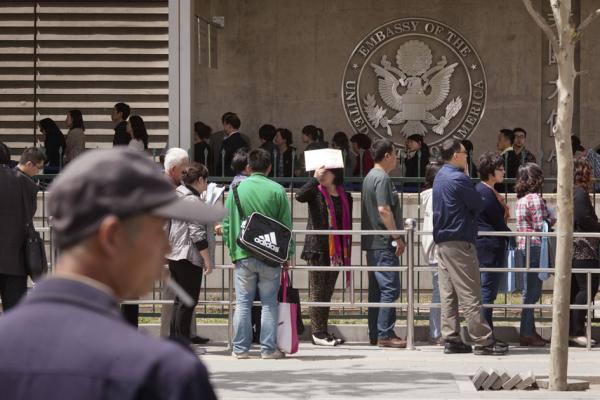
x=131 y=312
x=490 y=281
x=12 y=288
x=322 y=285
x=579 y=295
x=189 y=277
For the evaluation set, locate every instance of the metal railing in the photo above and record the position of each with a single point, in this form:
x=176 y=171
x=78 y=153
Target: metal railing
x=410 y=233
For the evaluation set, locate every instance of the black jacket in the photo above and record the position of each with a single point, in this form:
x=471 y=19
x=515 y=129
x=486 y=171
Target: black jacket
x=230 y=145
x=12 y=227
x=121 y=138
x=317 y=218
x=68 y=340
x=55 y=147
x=584 y=220
x=290 y=161
x=203 y=155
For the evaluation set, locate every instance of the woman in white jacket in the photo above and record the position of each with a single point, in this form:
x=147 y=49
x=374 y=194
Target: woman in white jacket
x=429 y=248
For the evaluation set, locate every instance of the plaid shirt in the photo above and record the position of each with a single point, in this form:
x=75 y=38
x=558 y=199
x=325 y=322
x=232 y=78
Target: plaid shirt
x=594 y=159
x=531 y=213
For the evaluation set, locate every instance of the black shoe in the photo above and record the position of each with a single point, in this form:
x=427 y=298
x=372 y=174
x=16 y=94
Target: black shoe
x=199 y=340
x=457 y=348
x=373 y=342
x=494 y=349
x=337 y=340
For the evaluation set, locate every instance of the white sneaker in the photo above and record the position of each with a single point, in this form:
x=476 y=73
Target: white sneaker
x=241 y=356
x=276 y=355
x=326 y=341
x=581 y=341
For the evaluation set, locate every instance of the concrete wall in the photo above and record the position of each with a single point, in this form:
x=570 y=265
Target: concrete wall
x=590 y=81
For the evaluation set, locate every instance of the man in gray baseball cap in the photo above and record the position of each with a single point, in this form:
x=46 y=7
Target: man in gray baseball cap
x=108 y=209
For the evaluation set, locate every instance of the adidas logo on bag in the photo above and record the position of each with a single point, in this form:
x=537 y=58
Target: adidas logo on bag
x=269 y=241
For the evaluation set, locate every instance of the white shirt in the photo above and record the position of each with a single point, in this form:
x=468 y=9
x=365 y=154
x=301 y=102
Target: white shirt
x=136 y=144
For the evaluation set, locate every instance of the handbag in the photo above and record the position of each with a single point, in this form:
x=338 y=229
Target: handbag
x=36 y=262
x=292 y=296
x=287 y=328
x=265 y=238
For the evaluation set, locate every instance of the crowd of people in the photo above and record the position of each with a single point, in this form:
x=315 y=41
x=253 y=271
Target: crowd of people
x=454 y=210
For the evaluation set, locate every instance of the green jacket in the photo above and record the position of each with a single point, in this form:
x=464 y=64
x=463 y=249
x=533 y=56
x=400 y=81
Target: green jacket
x=257 y=193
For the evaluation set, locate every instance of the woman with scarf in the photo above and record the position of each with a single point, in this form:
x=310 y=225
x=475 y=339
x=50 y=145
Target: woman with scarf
x=329 y=207
x=491 y=250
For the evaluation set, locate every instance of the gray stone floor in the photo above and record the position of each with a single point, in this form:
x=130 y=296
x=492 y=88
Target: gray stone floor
x=361 y=371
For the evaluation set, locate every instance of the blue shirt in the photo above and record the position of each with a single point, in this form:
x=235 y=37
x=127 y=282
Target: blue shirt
x=456 y=205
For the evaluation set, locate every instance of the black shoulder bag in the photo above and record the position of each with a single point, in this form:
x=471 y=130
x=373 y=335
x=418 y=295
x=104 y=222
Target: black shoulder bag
x=265 y=238
x=36 y=262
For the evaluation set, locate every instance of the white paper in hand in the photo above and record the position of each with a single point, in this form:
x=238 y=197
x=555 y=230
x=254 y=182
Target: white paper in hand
x=329 y=158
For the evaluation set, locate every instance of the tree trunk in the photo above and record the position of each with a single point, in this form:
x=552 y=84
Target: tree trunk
x=565 y=56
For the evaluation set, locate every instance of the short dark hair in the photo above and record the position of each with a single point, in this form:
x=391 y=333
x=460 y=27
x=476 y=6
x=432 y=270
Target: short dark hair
x=225 y=116
x=202 y=130
x=32 y=154
x=489 y=162
x=233 y=120
x=449 y=147
x=124 y=109
x=529 y=179
x=380 y=148
x=77 y=118
x=314 y=133
x=239 y=161
x=194 y=172
x=267 y=132
x=468 y=145
x=286 y=135
x=361 y=140
x=4 y=154
x=508 y=134
x=340 y=139
x=430 y=172
x=259 y=160
x=576 y=144
x=520 y=130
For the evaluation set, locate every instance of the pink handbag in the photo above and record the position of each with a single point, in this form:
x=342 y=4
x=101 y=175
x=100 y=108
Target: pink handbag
x=287 y=329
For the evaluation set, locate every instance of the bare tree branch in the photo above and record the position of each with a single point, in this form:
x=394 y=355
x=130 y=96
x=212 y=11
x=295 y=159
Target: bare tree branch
x=587 y=21
x=542 y=24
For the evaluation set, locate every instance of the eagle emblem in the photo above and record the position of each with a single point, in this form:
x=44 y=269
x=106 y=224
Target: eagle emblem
x=413 y=90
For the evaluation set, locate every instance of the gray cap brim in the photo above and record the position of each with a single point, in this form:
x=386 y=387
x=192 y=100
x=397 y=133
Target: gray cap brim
x=198 y=212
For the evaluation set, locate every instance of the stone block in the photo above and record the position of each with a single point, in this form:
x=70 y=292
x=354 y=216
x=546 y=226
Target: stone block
x=573 y=385
x=504 y=377
x=528 y=380
x=479 y=377
x=512 y=382
x=493 y=376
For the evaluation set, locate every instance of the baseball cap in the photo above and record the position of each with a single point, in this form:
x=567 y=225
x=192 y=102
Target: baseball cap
x=122 y=182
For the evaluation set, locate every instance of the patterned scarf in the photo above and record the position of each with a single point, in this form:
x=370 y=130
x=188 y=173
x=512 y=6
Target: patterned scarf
x=340 y=246
x=501 y=200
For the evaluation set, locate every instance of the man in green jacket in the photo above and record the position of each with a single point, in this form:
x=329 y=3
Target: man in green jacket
x=257 y=193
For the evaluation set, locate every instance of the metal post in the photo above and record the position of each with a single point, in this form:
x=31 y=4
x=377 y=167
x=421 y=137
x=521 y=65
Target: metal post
x=409 y=225
x=588 y=329
x=230 y=313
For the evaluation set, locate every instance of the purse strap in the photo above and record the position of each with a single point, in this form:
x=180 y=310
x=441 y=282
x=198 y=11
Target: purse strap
x=237 y=201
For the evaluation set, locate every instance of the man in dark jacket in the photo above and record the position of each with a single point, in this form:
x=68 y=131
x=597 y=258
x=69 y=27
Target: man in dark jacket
x=232 y=142
x=120 y=113
x=17 y=202
x=112 y=247
x=506 y=139
x=456 y=205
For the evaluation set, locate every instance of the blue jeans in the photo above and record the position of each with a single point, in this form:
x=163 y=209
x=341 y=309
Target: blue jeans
x=490 y=281
x=250 y=275
x=435 y=314
x=384 y=287
x=532 y=289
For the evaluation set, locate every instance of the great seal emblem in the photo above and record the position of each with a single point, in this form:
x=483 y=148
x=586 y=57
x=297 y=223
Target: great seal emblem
x=414 y=75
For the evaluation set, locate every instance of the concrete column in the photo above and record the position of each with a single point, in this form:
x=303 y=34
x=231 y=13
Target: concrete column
x=182 y=28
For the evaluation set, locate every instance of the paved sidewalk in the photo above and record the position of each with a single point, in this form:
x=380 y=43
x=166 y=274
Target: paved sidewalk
x=368 y=372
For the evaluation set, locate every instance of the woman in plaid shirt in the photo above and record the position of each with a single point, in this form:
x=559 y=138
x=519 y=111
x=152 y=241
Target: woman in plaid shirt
x=531 y=212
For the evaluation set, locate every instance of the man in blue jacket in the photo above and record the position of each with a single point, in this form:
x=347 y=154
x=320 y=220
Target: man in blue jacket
x=67 y=339
x=456 y=205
